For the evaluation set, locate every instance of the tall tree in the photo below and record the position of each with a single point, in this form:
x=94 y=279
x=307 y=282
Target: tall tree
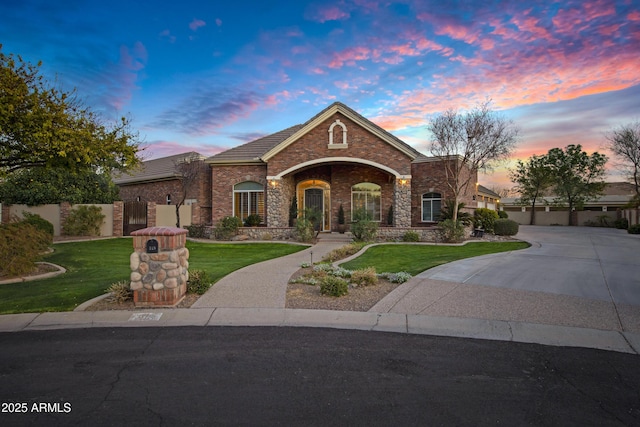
x=577 y=177
x=41 y=126
x=40 y=186
x=624 y=143
x=470 y=142
x=188 y=170
x=532 y=180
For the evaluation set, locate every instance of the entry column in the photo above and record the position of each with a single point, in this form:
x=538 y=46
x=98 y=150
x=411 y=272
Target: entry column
x=402 y=202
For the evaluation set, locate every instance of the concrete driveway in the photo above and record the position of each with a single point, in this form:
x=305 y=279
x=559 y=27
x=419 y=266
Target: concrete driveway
x=576 y=276
x=587 y=262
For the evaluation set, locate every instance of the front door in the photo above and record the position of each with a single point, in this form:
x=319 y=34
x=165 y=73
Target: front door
x=314 y=199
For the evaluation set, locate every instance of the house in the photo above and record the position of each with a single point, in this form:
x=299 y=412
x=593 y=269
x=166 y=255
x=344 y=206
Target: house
x=338 y=157
x=160 y=181
x=486 y=198
x=614 y=197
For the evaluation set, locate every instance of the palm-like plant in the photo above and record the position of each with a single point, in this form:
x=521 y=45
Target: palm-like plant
x=447 y=212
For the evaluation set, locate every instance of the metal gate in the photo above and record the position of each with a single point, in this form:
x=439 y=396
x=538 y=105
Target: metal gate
x=135 y=217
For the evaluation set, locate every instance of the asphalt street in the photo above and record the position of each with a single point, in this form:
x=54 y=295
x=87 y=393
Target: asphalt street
x=306 y=376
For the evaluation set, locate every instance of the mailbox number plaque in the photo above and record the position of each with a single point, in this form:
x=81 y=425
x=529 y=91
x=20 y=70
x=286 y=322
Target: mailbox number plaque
x=152 y=246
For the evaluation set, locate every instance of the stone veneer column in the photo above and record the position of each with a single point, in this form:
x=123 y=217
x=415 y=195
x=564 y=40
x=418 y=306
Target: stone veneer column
x=159 y=279
x=118 y=214
x=275 y=203
x=402 y=203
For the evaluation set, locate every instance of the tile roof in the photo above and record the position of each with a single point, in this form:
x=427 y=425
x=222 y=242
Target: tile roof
x=154 y=170
x=252 y=151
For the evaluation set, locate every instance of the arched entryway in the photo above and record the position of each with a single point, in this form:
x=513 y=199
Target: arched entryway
x=316 y=194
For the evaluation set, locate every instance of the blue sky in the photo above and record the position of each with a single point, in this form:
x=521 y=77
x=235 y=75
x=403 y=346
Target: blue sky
x=207 y=76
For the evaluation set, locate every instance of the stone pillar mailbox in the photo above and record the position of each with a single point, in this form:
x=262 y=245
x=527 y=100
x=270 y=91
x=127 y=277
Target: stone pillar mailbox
x=159 y=266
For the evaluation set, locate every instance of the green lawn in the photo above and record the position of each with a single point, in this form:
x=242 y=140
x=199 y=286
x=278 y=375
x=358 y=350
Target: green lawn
x=94 y=265
x=415 y=259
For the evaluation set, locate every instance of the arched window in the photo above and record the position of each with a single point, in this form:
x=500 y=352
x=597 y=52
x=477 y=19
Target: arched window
x=431 y=206
x=248 y=199
x=366 y=196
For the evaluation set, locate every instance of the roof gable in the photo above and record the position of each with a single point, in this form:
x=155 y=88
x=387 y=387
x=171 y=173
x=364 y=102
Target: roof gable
x=338 y=107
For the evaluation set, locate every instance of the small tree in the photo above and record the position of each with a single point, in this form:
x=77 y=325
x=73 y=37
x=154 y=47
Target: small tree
x=468 y=143
x=532 y=180
x=624 y=143
x=577 y=177
x=188 y=169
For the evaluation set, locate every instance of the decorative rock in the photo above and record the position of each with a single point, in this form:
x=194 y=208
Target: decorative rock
x=160 y=257
x=155 y=266
x=169 y=265
x=184 y=263
x=147 y=285
x=135 y=286
x=136 y=277
x=174 y=256
x=148 y=278
x=161 y=275
x=143 y=268
x=144 y=257
x=157 y=286
x=171 y=283
x=173 y=273
x=240 y=237
x=134 y=261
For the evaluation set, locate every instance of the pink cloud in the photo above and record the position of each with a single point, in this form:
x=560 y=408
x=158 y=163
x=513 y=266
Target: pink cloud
x=196 y=23
x=349 y=56
x=330 y=13
x=218 y=22
x=634 y=16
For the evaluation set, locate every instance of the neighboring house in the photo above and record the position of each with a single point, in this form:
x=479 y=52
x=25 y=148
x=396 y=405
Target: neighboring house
x=615 y=196
x=159 y=181
x=336 y=158
x=487 y=198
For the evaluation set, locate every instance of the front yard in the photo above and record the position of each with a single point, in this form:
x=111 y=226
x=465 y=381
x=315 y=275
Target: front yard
x=93 y=266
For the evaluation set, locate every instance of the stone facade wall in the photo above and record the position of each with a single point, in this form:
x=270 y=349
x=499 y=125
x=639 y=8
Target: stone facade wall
x=224 y=178
x=361 y=144
x=159 y=279
x=427 y=234
x=267 y=233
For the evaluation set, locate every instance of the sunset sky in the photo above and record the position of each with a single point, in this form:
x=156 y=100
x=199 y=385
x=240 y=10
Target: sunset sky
x=210 y=75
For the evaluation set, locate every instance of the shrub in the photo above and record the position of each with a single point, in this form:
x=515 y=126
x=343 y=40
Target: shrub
x=304 y=230
x=198 y=231
x=363 y=228
x=21 y=245
x=485 y=218
x=503 y=214
x=634 y=229
x=334 y=286
x=84 y=221
x=400 y=277
x=199 y=282
x=38 y=222
x=253 y=220
x=365 y=277
x=227 y=227
x=120 y=291
x=622 y=223
x=411 y=236
x=450 y=231
x=266 y=236
x=342 y=252
x=506 y=227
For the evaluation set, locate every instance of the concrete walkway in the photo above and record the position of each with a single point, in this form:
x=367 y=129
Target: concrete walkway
x=262 y=285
